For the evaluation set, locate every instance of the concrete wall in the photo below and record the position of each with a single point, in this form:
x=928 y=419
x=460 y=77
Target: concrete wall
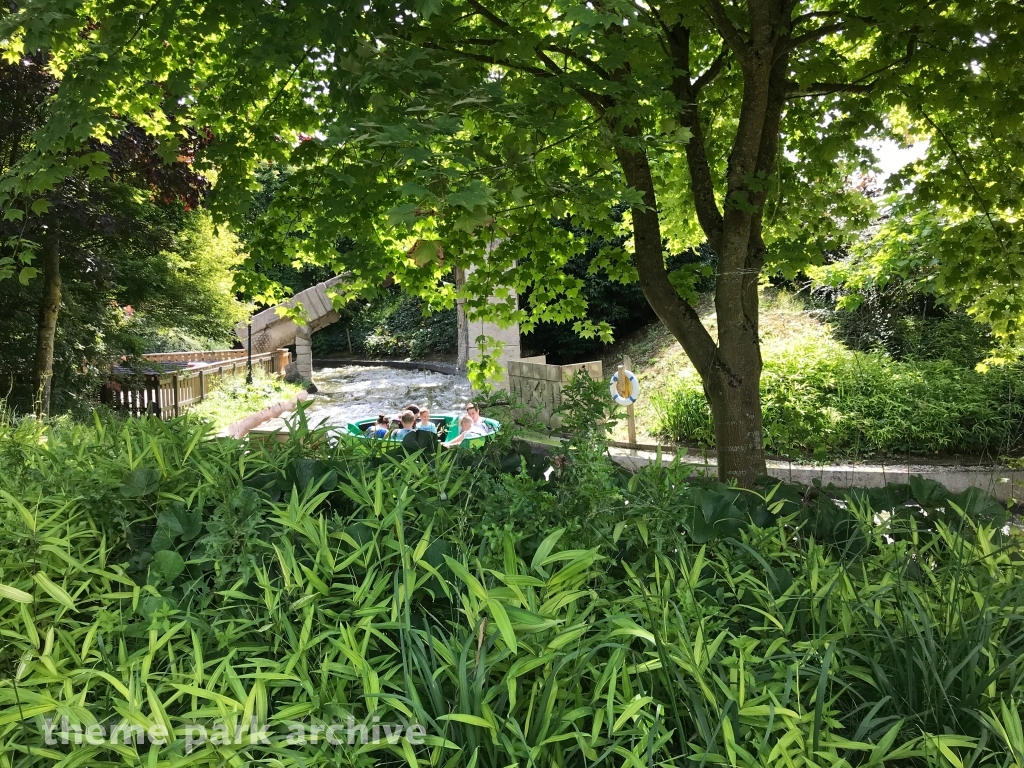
x=1003 y=483
x=539 y=386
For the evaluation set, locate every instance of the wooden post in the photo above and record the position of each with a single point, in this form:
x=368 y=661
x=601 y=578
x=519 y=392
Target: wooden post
x=202 y=386
x=625 y=390
x=174 y=384
x=348 y=334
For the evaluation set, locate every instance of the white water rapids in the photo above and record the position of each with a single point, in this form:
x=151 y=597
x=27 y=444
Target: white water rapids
x=353 y=392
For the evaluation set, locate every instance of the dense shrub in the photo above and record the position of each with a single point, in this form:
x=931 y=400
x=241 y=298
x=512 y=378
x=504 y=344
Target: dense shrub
x=392 y=325
x=904 y=323
x=153 y=576
x=820 y=400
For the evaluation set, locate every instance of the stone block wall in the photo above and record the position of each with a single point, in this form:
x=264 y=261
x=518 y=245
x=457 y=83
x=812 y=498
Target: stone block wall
x=539 y=385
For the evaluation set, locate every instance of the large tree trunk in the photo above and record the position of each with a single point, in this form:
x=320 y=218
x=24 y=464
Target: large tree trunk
x=49 y=308
x=734 y=396
x=731 y=372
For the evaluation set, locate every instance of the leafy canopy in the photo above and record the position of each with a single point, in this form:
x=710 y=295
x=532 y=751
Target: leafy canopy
x=454 y=124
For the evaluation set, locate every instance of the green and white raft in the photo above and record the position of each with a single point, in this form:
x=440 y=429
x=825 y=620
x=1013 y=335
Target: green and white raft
x=447 y=428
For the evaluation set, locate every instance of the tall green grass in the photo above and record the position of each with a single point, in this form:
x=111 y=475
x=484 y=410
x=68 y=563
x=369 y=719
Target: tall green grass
x=821 y=400
x=153 y=575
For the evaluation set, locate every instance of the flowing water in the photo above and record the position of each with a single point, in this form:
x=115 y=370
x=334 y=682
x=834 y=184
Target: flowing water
x=352 y=392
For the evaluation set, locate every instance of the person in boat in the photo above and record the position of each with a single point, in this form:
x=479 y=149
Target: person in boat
x=465 y=430
x=380 y=427
x=424 y=424
x=480 y=427
x=408 y=420
x=414 y=408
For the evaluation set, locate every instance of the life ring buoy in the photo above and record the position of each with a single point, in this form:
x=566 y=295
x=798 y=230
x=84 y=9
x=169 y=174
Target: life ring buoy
x=634 y=388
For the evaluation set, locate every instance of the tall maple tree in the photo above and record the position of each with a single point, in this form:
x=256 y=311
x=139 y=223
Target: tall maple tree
x=463 y=123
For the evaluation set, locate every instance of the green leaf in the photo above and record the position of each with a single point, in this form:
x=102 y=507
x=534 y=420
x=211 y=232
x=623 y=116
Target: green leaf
x=14 y=214
x=631 y=709
x=191 y=523
x=428 y=8
x=15 y=594
x=468 y=720
x=475 y=195
x=40 y=206
x=545 y=548
x=403 y=213
x=504 y=625
x=168 y=528
x=169 y=564
x=141 y=482
x=55 y=591
x=26 y=274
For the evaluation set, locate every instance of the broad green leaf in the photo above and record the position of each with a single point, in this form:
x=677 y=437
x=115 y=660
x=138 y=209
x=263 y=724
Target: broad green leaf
x=169 y=564
x=55 y=591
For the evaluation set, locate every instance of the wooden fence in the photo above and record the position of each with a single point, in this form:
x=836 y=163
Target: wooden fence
x=168 y=394
x=204 y=356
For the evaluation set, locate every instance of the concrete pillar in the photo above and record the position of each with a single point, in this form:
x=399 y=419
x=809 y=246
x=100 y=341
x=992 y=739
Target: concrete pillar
x=470 y=331
x=303 y=353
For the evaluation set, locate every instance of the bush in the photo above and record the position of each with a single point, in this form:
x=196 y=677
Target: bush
x=393 y=325
x=152 y=576
x=905 y=324
x=821 y=400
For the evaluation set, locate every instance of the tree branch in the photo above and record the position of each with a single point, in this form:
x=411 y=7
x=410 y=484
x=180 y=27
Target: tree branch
x=677 y=315
x=732 y=36
x=487 y=59
x=586 y=61
x=854 y=86
x=711 y=72
x=702 y=184
x=822 y=31
x=825 y=89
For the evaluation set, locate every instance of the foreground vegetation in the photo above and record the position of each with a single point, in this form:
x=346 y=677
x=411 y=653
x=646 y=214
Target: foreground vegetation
x=153 y=576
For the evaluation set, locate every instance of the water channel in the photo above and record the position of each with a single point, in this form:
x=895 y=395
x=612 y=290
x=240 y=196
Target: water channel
x=352 y=392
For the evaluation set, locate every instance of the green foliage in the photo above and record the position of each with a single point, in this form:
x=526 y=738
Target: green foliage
x=905 y=324
x=620 y=304
x=587 y=411
x=821 y=400
x=164 y=286
x=486 y=370
x=192 y=282
x=233 y=399
x=389 y=326
x=151 y=575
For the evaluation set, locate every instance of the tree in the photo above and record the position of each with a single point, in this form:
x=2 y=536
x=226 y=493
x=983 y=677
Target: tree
x=468 y=122
x=76 y=221
x=952 y=224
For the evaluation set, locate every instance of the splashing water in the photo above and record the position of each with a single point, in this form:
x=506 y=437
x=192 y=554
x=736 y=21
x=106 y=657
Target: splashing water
x=353 y=392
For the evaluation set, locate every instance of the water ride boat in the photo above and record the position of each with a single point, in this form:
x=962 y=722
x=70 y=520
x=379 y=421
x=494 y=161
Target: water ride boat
x=447 y=427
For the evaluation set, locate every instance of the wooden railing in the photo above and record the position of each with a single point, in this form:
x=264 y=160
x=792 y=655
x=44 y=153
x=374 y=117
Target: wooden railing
x=205 y=356
x=167 y=395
